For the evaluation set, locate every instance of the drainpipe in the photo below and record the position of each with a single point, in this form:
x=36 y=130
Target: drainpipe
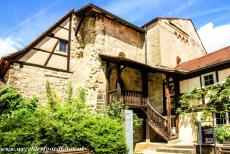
x=146 y=46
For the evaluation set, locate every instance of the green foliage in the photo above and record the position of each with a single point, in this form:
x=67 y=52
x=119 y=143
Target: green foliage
x=115 y=111
x=52 y=99
x=11 y=100
x=74 y=124
x=137 y=123
x=219 y=99
x=69 y=92
x=223 y=133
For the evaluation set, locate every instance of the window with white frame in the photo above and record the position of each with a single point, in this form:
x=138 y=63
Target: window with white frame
x=208 y=79
x=63 y=46
x=221 y=119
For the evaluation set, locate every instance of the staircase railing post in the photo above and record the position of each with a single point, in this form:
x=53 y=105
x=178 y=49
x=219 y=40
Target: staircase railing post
x=147 y=134
x=168 y=106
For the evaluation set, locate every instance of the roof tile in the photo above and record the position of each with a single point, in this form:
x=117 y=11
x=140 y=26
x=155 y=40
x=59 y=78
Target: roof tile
x=216 y=57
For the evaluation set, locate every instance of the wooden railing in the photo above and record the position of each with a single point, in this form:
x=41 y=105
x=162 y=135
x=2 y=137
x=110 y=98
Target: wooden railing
x=158 y=122
x=133 y=98
x=128 y=97
x=112 y=96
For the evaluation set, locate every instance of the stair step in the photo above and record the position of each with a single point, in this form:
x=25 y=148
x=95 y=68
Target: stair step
x=181 y=146
x=176 y=150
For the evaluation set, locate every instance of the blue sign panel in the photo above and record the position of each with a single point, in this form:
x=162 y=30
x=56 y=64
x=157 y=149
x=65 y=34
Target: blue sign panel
x=129 y=129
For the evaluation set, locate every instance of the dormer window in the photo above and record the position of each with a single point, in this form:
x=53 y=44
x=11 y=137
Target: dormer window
x=63 y=46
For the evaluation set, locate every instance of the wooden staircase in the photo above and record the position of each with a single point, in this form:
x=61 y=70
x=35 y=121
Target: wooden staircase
x=137 y=99
x=159 y=123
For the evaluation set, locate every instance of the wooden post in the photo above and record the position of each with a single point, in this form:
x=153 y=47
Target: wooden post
x=107 y=81
x=144 y=83
x=168 y=106
x=164 y=98
x=69 y=43
x=147 y=137
x=177 y=94
x=118 y=82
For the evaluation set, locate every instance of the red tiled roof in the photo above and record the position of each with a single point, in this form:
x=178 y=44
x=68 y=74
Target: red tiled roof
x=219 y=56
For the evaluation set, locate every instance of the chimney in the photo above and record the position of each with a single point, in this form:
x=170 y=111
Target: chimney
x=178 y=60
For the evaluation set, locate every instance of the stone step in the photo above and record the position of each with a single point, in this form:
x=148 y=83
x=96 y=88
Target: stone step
x=176 y=150
x=181 y=146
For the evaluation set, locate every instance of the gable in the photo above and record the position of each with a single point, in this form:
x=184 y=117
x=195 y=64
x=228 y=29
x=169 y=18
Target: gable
x=44 y=51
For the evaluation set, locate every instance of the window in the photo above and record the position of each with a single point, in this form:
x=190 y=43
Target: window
x=63 y=46
x=222 y=119
x=208 y=79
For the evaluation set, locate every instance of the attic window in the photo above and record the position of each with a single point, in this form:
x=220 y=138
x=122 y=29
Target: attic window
x=63 y=46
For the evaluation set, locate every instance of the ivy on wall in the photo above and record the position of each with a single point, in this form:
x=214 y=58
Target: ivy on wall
x=215 y=98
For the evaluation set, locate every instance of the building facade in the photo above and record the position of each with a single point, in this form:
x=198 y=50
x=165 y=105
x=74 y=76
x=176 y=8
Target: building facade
x=143 y=67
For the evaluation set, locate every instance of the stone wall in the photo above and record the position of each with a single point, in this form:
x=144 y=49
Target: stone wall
x=153 y=45
x=187 y=129
x=1 y=85
x=155 y=81
x=31 y=80
x=174 y=37
x=97 y=34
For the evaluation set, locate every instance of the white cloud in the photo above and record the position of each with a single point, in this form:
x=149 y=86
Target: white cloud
x=8 y=45
x=215 y=38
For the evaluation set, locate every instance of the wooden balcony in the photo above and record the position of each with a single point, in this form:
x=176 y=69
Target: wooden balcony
x=131 y=98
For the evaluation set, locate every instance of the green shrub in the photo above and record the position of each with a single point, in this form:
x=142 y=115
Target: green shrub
x=223 y=133
x=72 y=124
x=114 y=111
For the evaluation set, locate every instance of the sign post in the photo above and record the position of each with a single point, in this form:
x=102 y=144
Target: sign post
x=129 y=129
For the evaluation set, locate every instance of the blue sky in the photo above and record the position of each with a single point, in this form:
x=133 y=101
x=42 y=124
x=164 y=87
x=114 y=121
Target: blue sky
x=23 y=20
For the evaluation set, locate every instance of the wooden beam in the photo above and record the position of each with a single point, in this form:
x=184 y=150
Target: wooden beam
x=69 y=44
x=63 y=28
x=168 y=106
x=144 y=83
x=107 y=72
x=58 y=38
x=40 y=66
x=40 y=38
x=48 y=59
x=79 y=24
x=147 y=131
x=58 y=54
x=164 y=98
x=177 y=94
x=118 y=81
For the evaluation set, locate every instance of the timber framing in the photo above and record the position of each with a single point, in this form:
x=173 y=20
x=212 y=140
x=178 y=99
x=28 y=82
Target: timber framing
x=40 y=66
x=63 y=27
x=58 y=38
x=42 y=50
x=69 y=43
x=48 y=59
x=19 y=54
